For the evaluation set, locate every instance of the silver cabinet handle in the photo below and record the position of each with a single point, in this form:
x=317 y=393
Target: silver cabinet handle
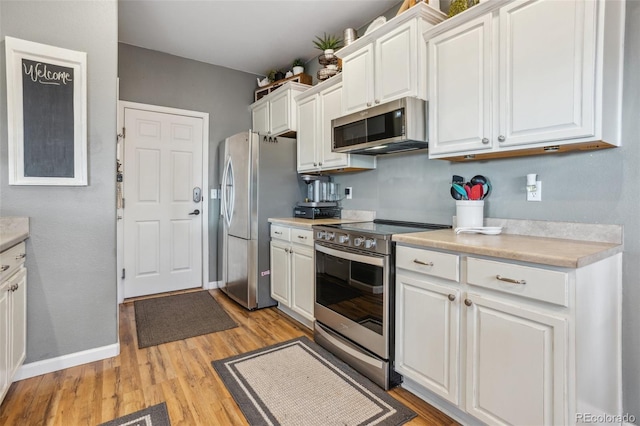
x=420 y=262
x=315 y=164
x=468 y=302
x=4 y=268
x=510 y=280
x=501 y=138
x=21 y=256
x=377 y=101
x=368 y=103
x=485 y=141
x=287 y=250
x=320 y=163
x=277 y=232
x=302 y=237
x=452 y=297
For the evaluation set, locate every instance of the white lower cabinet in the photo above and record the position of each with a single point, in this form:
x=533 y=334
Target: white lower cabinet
x=508 y=344
x=13 y=315
x=292 y=272
x=515 y=363
x=428 y=323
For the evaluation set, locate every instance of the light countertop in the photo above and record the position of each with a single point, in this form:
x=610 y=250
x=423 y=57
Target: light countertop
x=12 y=231
x=543 y=250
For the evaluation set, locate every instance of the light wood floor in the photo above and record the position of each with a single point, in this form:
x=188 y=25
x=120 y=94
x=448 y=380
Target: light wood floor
x=179 y=373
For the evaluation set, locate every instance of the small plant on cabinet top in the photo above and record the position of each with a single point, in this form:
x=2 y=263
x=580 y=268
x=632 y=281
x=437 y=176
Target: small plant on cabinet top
x=297 y=63
x=327 y=42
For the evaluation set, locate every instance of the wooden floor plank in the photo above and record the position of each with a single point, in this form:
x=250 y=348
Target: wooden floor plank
x=178 y=373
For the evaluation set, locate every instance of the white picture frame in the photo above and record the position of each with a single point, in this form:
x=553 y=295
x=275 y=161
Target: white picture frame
x=47 y=114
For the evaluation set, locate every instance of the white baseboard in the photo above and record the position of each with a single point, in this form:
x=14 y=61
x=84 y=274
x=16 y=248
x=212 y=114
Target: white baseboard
x=45 y=366
x=211 y=285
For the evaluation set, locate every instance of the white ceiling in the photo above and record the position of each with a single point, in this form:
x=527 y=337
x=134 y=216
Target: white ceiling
x=247 y=35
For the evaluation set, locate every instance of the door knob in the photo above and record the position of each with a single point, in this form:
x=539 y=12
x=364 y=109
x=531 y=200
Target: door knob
x=195 y=212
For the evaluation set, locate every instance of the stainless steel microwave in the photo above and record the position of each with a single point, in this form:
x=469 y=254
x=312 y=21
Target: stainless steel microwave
x=395 y=126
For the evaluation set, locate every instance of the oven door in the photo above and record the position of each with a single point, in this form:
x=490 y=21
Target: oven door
x=352 y=296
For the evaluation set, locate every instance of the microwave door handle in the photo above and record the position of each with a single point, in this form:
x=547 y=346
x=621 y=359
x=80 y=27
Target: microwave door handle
x=369 y=260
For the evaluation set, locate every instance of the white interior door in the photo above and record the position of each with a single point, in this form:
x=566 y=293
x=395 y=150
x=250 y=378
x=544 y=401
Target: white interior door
x=163 y=220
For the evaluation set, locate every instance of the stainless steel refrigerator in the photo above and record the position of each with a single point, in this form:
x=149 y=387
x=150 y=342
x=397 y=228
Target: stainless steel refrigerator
x=258 y=181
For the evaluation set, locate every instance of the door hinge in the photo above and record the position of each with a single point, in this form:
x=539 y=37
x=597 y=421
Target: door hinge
x=123 y=134
x=122 y=273
x=123 y=203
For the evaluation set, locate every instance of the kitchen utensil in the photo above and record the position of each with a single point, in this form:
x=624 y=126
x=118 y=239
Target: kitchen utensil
x=460 y=190
x=476 y=192
x=455 y=194
x=478 y=179
x=467 y=188
x=457 y=179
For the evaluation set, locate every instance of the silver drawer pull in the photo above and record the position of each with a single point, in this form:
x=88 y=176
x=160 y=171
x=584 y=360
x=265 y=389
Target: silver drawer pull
x=302 y=237
x=420 y=262
x=277 y=232
x=21 y=256
x=510 y=280
x=4 y=268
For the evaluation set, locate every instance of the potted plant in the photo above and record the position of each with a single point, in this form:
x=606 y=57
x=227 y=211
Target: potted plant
x=298 y=66
x=328 y=44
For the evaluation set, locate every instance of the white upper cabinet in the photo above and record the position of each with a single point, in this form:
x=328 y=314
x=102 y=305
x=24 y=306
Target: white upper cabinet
x=526 y=78
x=275 y=113
x=316 y=108
x=389 y=63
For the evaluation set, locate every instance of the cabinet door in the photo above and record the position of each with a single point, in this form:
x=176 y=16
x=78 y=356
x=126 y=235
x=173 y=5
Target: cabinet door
x=18 y=323
x=515 y=363
x=307 y=134
x=5 y=380
x=279 y=114
x=396 y=64
x=280 y=267
x=357 y=80
x=302 y=274
x=547 y=86
x=459 y=85
x=427 y=335
x=330 y=108
x=260 y=118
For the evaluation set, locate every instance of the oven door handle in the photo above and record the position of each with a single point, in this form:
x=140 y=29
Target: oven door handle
x=369 y=260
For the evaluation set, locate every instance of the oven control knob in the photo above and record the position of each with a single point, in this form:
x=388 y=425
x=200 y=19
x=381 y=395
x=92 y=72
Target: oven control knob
x=370 y=243
x=343 y=239
x=321 y=234
x=329 y=236
x=358 y=241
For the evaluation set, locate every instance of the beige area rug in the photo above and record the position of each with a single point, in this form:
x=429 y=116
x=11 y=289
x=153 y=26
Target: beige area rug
x=167 y=319
x=300 y=383
x=156 y=415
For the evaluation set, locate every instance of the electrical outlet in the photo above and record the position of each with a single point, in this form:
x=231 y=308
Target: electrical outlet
x=348 y=192
x=537 y=194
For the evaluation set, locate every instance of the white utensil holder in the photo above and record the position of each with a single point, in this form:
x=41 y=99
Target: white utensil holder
x=469 y=213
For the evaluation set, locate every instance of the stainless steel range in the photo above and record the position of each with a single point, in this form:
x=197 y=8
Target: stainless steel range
x=354 y=294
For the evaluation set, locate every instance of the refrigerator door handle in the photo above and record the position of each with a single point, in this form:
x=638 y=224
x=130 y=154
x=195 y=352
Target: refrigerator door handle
x=223 y=192
x=229 y=193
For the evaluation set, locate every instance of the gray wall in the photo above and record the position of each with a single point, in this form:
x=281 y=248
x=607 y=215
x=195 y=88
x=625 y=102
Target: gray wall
x=589 y=187
x=71 y=254
x=157 y=78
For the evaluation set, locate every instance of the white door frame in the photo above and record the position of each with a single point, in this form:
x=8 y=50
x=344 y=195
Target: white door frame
x=122 y=105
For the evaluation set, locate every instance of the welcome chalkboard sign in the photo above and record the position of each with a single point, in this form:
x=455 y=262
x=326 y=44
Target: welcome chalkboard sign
x=46 y=99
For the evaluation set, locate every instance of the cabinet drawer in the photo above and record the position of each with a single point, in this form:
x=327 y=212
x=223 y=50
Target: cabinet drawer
x=534 y=283
x=280 y=232
x=11 y=259
x=428 y=262
x=302 y=236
